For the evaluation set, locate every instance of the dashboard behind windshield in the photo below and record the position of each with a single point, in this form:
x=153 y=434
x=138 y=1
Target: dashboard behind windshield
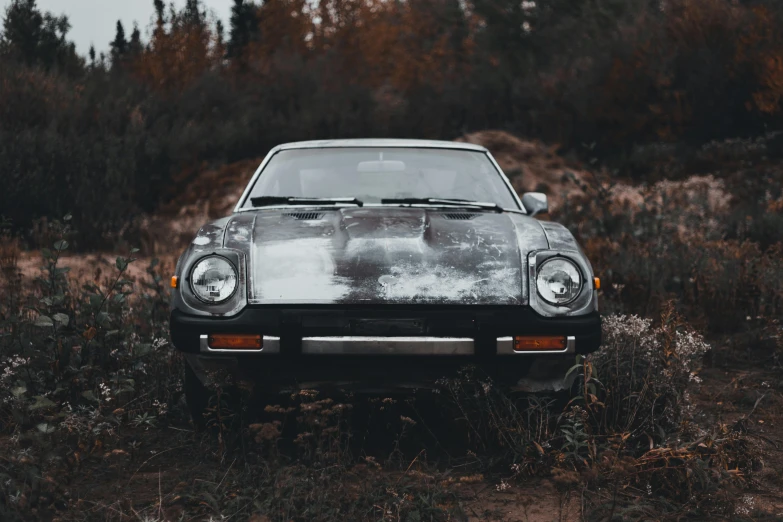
x=371 y=174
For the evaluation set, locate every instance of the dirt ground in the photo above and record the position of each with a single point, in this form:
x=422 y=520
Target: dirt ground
x=155 y=473
x=749 y=398
x=162 y=472
x=95 y=267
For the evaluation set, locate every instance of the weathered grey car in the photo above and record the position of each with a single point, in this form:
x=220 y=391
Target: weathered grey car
x=378 y=264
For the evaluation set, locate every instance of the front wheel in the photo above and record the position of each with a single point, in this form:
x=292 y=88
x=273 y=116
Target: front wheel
x=196 y=396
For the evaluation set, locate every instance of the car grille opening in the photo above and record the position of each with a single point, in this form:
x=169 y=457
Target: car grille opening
x=305 y=216
x=459 y=215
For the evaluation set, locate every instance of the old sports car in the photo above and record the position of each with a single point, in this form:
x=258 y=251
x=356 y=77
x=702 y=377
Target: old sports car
x=382 y=263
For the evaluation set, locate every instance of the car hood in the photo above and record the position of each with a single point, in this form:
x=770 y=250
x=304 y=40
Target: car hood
x=385 y=256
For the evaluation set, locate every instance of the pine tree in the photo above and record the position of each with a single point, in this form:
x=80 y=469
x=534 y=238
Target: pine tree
x=92 y=55
x=52 y=46
x=219 y=32
x=191 y=16
x=160 y=7
x=244 y=27
x=119 y=46
x=37 y=38
x=22 y=28
x=135 y=46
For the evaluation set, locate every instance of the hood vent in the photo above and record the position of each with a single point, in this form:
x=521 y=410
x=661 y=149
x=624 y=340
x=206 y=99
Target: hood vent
x=459 y=215
x=305 y=216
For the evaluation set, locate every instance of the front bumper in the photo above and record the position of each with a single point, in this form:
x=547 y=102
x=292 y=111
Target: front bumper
x=290 y=327
x=381 y=345
x=386 y=345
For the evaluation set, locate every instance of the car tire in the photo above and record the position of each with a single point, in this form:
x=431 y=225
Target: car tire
x=197 y=397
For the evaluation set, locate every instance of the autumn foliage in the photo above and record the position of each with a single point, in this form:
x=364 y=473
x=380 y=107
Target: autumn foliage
x=597 y=79
x=705 y=61
x=371 y=43
x=695 y=69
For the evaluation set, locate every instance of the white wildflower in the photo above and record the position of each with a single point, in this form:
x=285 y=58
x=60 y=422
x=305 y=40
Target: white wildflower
x=746 y=505
x=105 y=392
x=162 y=407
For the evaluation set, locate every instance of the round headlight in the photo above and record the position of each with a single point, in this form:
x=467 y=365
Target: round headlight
x=559 y=281
x=213 y=279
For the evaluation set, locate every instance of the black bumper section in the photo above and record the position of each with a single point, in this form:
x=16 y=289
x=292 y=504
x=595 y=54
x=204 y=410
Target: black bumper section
x=484 y=325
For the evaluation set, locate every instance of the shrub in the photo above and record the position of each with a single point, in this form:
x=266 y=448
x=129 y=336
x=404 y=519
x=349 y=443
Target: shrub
x=645 y=372
x=77 y=361
x=708 y=242
x=627 y=426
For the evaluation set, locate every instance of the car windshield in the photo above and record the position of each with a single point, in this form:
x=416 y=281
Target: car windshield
x=373 y=174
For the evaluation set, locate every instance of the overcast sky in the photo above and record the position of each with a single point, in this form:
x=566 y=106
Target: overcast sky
x=93 y=21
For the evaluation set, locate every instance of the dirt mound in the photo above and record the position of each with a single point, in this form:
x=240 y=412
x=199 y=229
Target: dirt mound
x=205 y=196
x=531 y=165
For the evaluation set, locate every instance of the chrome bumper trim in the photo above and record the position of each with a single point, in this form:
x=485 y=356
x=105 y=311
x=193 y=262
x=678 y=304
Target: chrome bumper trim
x=359 y=345
x=271 y=344
x=388 y=345
x=506 y=347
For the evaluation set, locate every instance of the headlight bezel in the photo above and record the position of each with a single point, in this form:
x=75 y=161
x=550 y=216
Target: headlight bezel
x=205 y=259
x=188 y=301
x=585 y=300
x=550 y=261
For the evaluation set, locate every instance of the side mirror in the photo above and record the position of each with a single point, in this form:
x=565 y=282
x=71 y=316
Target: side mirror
x=535 y=203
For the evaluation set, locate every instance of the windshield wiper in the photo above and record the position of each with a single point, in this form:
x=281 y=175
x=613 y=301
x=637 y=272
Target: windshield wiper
x=450 y=202
x=266 y=201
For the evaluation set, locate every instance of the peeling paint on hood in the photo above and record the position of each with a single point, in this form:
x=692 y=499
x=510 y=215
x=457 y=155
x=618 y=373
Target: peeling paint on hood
x=388 y=256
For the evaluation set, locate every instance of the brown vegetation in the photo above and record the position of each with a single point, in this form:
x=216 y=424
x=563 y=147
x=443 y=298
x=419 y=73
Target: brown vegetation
x=664 y=423
x=630 y=113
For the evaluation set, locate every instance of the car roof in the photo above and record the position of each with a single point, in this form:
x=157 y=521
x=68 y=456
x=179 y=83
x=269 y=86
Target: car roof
x=378 y=142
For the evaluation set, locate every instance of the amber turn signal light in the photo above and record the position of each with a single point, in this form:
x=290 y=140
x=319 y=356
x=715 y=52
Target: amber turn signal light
x=174 y=281
x=236 y=342
x=533 y=343
x=597 y=283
